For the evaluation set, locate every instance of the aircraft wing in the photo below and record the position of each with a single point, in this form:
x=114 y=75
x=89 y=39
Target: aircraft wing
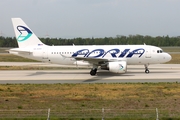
x=99 y=61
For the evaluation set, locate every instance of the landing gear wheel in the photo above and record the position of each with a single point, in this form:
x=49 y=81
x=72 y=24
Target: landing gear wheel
x=146 y=68
x=93 y=72
x=147 y=71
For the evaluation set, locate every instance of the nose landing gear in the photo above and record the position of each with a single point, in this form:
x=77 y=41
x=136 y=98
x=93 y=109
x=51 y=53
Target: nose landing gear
x=146 y=68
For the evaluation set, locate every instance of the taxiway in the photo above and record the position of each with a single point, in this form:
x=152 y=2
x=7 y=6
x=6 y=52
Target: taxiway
x=158 y=73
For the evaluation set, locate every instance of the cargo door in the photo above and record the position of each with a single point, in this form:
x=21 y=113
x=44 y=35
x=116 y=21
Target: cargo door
x=45 y=53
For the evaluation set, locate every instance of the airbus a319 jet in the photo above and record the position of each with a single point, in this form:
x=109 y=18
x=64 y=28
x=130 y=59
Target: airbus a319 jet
x=114 y=58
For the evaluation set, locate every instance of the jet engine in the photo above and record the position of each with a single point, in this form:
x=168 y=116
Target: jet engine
x=116 y=67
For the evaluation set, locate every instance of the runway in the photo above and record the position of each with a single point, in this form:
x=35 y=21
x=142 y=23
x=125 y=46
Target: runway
x=135 y=74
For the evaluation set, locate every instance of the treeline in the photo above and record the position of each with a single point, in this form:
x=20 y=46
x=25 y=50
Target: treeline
x=118 y=40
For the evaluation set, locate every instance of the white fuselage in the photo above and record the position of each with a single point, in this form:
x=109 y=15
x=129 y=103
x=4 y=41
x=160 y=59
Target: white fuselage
x=65 y=55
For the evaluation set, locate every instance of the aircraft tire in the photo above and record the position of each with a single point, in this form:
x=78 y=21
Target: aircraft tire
x=93 y=72
x=146 y=71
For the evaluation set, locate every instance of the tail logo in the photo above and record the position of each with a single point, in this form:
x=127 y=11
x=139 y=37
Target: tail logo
x=25 y=33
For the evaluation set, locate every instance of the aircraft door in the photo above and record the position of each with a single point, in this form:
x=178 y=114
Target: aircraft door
x=148 y=52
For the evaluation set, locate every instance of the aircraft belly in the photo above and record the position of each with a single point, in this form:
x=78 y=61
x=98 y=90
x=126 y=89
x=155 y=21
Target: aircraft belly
x=137 y=61
x=61 y=60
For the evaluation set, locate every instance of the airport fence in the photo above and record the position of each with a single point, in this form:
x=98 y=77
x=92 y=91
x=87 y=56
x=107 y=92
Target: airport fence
x=92 y=113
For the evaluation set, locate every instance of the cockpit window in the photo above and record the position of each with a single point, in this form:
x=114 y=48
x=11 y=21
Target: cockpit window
x=159 y=51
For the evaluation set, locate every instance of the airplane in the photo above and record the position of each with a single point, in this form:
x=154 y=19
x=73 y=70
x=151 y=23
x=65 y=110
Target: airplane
x=114 y=58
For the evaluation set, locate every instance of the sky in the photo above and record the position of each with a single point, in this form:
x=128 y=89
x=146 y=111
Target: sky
x=92 y=18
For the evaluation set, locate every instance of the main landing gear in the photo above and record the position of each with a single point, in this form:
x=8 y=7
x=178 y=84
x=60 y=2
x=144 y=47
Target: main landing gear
x=146 y=68
x=93 y=71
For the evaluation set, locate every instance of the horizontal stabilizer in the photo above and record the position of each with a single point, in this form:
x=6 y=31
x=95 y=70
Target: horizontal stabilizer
x=18 y=50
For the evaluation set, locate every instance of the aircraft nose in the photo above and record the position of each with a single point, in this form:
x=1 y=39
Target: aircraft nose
x=168 y=57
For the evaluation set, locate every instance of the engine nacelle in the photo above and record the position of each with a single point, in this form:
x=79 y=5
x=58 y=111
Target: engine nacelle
x=117 y=67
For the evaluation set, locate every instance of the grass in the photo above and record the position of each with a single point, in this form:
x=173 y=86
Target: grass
x=175 y=59
x=13 y=58
x=122 y=101
x=171 y=49
x=34 y=68
x=4 y=50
